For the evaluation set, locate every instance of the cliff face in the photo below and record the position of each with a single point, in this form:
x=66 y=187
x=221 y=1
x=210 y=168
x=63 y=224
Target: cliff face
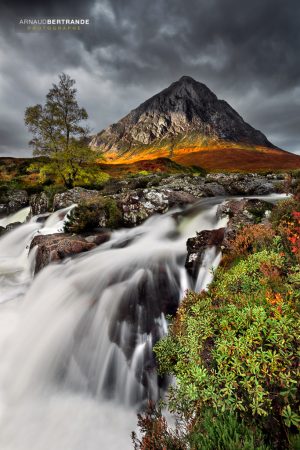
x=186 y=110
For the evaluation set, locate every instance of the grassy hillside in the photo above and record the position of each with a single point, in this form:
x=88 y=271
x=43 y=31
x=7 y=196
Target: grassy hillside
x=212 y=155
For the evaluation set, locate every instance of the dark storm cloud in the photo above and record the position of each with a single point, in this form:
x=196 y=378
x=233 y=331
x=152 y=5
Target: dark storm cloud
x=246 y=52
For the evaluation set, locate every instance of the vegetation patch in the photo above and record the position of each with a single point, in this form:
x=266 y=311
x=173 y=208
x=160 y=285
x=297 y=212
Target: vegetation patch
x=234 y=350
x=100 y=212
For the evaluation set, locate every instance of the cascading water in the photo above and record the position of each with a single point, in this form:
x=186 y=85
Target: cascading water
x=76 y=341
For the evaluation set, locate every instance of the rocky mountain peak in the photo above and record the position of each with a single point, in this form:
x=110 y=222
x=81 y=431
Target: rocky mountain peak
x=186 y=110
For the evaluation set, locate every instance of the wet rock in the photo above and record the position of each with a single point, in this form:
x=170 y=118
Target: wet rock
x=56 y=247
x=244 y=184
x=39 y=204
x=137 y=206
x=17 y=199
x=179 y=198
x=213 y=190
x=75 y=195
x=3 y=210
x=221 y=184
x=9 y=227
x=196 y=247
x=11 y=200
x=193 y=185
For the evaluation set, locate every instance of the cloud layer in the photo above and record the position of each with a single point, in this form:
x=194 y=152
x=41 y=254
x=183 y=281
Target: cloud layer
x=246 y=52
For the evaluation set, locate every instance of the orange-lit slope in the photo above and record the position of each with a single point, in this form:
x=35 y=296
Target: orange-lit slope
x=227 y=157
x=235 y=160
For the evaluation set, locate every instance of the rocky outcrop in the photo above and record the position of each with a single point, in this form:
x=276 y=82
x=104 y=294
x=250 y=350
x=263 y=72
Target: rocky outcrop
x=12 y=200
x=39 y=204
x=56 y=247
x=156 y=195
x=244 y=184
x=137 y=206
x=140 y=197
x=75 y=195
x=223 y=184
x=197 y=246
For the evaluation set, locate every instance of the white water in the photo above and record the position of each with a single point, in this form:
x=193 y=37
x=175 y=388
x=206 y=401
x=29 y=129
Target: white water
x=76 y=342
x=19 y=216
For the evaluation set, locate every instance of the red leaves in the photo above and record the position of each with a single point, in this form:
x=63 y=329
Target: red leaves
x=292 y=229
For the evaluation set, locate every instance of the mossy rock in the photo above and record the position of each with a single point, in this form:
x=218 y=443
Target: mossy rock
x=100 y=212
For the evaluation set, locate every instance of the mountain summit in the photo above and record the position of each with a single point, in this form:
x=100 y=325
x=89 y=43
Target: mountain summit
x=179 y=122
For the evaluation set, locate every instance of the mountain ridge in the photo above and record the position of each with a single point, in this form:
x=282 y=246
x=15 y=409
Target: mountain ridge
x=181 y=120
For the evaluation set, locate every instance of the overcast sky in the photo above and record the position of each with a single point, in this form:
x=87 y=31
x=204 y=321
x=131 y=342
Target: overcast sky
x=247 y=52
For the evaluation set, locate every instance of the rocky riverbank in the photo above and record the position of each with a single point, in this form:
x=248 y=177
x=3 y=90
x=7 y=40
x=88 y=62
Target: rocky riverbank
x=129 y=202
x=161 y=191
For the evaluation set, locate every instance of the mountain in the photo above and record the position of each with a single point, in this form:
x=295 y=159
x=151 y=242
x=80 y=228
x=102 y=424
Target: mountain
x=187 y=123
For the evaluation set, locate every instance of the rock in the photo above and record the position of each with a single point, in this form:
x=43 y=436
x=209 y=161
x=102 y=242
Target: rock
x=9 y=227
x=12 y=226
x=179 y=198
x=264 y=189
x=242 y=212
x=244 y=184
x=17 y=199
x=39 y=204
x=11 y=200
x=3 y=210
x=196 y=247
x=214 y=190
x=75 y=195
x=192 y=185
x=56 y=247
x=137 y=206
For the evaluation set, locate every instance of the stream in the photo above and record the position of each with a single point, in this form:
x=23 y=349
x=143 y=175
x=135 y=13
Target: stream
x=76 y=340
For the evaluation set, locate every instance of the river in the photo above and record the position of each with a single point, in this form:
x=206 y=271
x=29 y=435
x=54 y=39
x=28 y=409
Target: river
x=76 y=340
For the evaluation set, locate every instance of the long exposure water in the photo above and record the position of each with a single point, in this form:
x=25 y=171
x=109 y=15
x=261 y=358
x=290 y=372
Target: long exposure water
x=76 y=340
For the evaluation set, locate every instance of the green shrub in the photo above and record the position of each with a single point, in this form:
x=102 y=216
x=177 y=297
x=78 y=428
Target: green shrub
x=51 y=190
x=95 y=213
x=251 y=276
x=235 y=348
x=225 y=432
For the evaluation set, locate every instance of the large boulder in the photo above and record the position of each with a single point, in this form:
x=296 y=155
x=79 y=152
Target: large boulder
x=75 y=195
x=39 y=204
x=197 y=246
x=137 y=206
x=11 y=200
x=56 y=247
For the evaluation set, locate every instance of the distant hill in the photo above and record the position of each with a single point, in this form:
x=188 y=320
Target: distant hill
x=188 y=123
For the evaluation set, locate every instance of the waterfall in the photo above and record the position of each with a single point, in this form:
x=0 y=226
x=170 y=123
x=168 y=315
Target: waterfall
x=19 y=216
x=76 y=341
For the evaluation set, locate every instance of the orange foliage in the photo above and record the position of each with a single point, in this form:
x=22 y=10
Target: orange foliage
x=251 y=238
x=291 y=228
